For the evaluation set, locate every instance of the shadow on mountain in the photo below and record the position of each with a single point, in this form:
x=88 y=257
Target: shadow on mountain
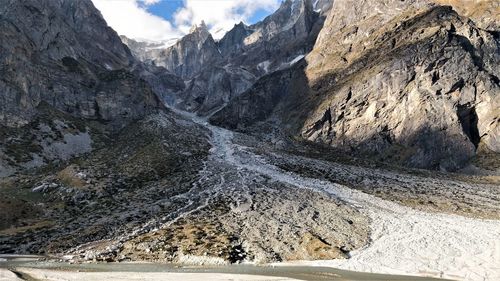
x=332 y=108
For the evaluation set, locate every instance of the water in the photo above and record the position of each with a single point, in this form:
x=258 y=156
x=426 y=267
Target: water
x=296 y=272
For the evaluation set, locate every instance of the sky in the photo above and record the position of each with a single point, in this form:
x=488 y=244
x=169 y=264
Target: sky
x=158 y=20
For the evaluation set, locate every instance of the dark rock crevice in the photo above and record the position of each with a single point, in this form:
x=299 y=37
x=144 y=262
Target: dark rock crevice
x=468 y=120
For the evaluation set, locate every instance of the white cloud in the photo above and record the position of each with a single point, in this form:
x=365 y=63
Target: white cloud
x=220 y=14
x=131 y=18
x=151 y=2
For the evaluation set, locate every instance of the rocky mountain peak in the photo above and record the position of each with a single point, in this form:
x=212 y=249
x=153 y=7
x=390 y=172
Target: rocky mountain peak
x=188 y=55
x=288 y=14
x=233 y=39
x=198 y=34
x=201 y=28
x=248 y=52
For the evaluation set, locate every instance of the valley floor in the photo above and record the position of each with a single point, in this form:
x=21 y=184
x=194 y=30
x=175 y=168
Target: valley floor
x=402 y=240
x=253 y=203
x=20 y=268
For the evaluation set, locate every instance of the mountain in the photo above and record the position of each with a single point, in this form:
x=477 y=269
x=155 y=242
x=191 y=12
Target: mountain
x=186 y=57
x=294 y=138
x=67 y=81
x=81 y=121
x=216 y=72
x=233 y=41
x=408 y=82
x=65 y=55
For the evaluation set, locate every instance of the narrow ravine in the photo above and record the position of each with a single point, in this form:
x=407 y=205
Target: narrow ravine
x=403 y=240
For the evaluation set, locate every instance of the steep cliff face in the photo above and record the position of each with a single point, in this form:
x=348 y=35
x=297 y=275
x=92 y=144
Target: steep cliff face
x=63 y=53
x=190 y=54
x=288 y=33
x=66 y=80
x=233 y=40
x=421 y=88
x=407 y=82
x=250 y=52
x=214 y=87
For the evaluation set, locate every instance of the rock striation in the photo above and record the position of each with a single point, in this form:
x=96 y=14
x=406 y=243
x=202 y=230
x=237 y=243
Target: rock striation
x=409 y=82
x=63 y=53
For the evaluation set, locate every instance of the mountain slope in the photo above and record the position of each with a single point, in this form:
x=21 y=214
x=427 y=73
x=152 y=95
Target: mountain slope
x=66 y=78
x=188 y=55
x=405 y=82
x=64 y=54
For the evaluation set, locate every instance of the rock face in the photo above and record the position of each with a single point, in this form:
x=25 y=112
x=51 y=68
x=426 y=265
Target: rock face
x=189 y=54
x=407 y=82
x=64 y=54
x=216 y=72
x=280 y=38
x=62 y=68
x=214 y=87
x=484 y=13
x=424 y=91
x=233 y=40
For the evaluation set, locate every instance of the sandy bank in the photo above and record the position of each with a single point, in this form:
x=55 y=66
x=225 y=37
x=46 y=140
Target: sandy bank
x=57 y=275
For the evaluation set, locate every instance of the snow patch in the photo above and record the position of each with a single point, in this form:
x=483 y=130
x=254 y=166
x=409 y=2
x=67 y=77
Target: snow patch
x=264 y=66
x=296 y=59
x=161 y=44
x=291 y=63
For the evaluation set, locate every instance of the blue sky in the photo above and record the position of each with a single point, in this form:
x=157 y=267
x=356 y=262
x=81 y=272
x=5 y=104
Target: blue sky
x=164 y=9
x=167 y=8
x=166 y=19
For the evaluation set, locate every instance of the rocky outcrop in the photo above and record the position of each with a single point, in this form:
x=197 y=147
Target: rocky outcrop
x=67 y=80
x=422 y=89
x=233 y=40
x=288 y=33
x=407 y=82
x=64 y=54
x=213 y=88
x=484 y=13
x=190 y=54
x=269 y=95
x=163 y=83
